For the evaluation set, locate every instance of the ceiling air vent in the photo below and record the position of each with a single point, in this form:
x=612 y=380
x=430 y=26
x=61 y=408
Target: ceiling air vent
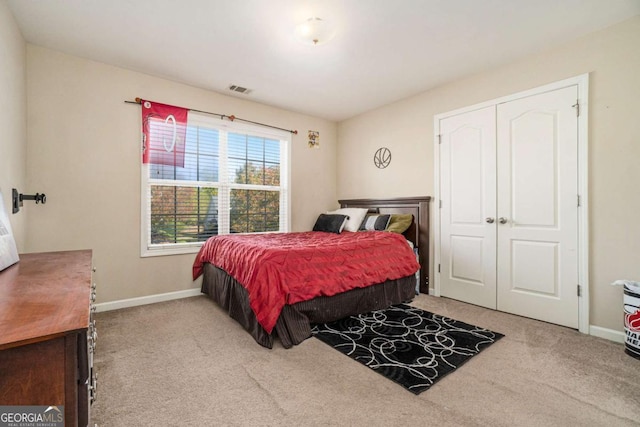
x=239 y=89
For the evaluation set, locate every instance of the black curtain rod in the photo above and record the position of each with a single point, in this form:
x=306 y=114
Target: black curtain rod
x=224 y=116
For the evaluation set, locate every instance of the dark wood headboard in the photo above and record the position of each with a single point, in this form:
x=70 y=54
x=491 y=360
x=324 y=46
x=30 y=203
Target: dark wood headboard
x=418 y=232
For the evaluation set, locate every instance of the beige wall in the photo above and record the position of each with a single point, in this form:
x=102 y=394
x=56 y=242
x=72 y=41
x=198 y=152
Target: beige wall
x=612 y=59
x=84 y=153
x=13 y=118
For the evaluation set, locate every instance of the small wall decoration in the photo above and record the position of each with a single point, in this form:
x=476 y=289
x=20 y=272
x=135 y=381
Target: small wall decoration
x=8 y=249
x=314 y=139
x=382 y=157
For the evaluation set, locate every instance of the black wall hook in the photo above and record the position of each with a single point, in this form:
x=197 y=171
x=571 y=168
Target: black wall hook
x=19 y=197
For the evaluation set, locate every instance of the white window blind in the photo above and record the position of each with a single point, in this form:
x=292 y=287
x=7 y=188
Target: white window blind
x=234 y=180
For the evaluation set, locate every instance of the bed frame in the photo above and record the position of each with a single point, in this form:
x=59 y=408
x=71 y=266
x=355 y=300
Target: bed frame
x=294 y=324
x=418 y=232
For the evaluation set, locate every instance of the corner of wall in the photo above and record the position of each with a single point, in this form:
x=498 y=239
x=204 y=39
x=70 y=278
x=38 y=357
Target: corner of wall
x=13 y=117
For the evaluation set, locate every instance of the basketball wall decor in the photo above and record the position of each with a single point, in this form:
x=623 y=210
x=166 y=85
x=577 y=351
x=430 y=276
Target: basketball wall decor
x=382 y=157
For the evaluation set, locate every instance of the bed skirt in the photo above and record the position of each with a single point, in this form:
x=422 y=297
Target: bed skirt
x=294 y=324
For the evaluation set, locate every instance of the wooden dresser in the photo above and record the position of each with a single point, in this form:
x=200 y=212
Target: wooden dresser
x=47 y=334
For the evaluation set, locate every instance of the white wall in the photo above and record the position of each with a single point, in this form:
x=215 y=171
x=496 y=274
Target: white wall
x=13 y=118
x=612 y=58
x=84 y=153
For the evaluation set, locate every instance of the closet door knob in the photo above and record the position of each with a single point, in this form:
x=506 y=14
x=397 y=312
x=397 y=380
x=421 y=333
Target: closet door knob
x=490 y=220
x=502 y=220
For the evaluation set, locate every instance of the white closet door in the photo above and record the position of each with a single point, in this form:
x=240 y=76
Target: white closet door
x=468 y=191
x=537 y=262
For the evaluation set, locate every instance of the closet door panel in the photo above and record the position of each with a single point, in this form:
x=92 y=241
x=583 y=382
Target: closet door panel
x=537 y=269
x=467 y=190
x=533 y=169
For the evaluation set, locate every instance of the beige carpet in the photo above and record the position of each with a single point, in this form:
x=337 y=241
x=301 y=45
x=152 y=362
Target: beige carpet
x=186 y=363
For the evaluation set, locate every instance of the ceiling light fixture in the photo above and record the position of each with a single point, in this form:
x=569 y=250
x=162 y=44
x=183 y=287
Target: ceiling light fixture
x=314 y=31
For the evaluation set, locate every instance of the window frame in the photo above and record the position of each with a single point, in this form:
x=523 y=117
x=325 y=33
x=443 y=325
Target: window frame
x=147 y=249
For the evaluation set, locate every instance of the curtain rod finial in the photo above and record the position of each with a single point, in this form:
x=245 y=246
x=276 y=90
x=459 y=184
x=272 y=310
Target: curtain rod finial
x=138 y=100
x=295 y=132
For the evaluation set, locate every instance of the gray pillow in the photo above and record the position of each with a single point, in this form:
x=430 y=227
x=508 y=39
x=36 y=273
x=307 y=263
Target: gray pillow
x=375 y=222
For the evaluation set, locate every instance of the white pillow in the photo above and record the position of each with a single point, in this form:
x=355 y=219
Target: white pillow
x=356 y=216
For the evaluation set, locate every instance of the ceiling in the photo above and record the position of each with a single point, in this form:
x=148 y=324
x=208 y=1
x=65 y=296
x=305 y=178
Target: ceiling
x=382 y=51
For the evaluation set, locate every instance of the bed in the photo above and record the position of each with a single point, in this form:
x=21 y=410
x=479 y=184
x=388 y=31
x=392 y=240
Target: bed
x=269 y=305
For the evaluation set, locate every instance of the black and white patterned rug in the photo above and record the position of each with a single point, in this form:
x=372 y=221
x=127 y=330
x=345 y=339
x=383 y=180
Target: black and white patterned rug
x=410 y=346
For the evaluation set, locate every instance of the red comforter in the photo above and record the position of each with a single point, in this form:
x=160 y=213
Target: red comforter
x=286 y=268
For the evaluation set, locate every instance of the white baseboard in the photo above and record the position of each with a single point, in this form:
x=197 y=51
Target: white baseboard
x=608 y=334
x=133 y=302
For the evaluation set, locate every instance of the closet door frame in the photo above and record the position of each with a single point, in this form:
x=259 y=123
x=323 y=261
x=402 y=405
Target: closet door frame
x=582 y=83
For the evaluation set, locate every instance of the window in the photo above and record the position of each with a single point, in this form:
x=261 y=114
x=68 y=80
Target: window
x=234 y=180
